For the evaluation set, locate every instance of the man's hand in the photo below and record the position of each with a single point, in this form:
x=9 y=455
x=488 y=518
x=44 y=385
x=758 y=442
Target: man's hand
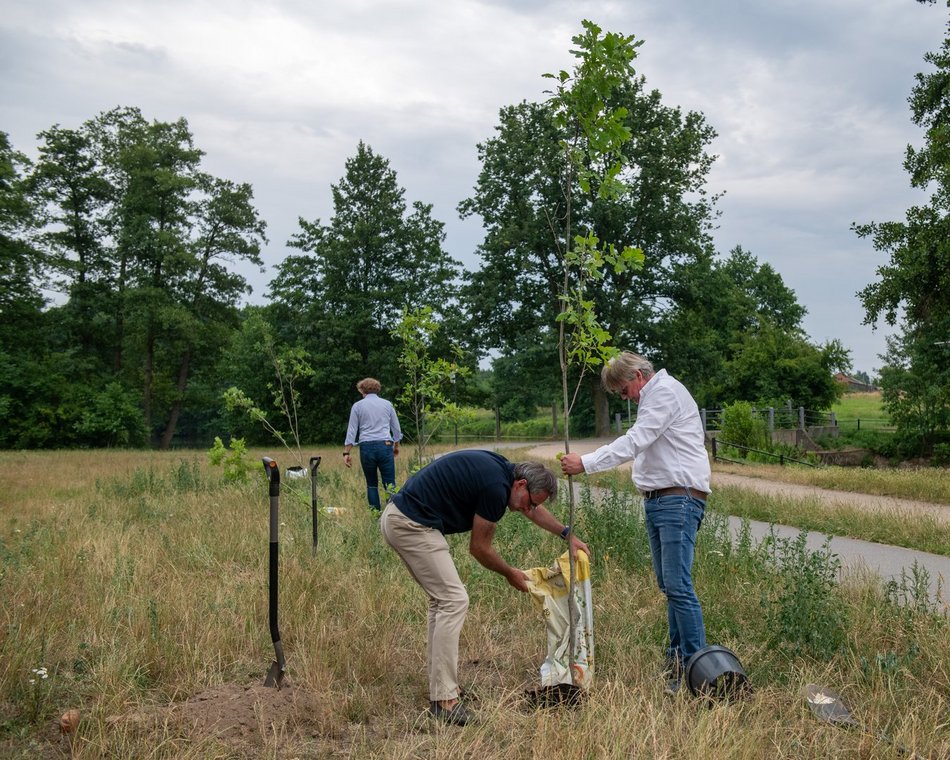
x=571 y=464
x=518 y=579
x=578 y=545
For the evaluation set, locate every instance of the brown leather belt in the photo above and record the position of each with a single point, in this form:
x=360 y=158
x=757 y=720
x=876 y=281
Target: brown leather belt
x=676 y=491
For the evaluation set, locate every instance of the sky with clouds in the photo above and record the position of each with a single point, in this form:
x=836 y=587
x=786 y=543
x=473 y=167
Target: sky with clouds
x=809 y=99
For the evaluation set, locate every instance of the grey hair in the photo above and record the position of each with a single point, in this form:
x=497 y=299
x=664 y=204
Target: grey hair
x=620 y=370
x=539 y=477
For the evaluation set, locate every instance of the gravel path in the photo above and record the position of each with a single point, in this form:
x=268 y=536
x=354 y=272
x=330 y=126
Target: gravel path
x=857 y=557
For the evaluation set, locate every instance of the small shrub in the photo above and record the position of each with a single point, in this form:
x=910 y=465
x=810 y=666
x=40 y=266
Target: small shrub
x=802 y=610
x=236 y=467
x=941 y=455
x=741 y=427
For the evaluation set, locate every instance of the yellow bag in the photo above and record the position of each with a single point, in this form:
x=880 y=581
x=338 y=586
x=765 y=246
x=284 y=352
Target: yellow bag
x=550 y=588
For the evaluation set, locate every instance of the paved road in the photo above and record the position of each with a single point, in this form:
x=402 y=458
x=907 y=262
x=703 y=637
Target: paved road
x=857 y=557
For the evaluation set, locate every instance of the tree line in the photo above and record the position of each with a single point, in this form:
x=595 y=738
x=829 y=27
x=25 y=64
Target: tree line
x=148 y=329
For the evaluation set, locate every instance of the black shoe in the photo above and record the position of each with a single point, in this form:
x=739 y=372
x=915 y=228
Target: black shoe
x=454 y=716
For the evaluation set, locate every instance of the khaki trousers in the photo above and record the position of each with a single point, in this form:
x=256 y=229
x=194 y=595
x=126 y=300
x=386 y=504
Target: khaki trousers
x=426 y=553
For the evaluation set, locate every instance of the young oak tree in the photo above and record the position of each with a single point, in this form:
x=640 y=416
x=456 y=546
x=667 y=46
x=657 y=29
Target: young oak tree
x=592 y=136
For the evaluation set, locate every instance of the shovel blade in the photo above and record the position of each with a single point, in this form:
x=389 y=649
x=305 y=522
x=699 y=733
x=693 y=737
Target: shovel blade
x=275 y=676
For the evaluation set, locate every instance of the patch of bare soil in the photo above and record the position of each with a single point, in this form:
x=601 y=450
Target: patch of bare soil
x=245 y=718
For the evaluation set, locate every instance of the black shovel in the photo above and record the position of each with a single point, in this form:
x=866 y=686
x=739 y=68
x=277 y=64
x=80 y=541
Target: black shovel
x=314 y=464
x=275 y=676
x=828 y=705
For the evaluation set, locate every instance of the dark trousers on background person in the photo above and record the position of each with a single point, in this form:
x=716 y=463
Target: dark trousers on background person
x=672 y=523
x=377 y=457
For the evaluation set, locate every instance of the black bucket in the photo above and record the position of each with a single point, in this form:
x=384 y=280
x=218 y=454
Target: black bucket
x=716 y=672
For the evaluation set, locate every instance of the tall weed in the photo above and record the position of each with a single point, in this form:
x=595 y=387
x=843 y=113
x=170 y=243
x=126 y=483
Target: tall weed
x=802 y=608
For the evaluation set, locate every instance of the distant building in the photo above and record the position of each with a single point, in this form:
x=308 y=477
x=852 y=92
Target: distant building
x=853 y=385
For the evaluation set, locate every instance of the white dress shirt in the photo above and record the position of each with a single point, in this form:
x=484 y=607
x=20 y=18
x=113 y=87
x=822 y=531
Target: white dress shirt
x=666 y=444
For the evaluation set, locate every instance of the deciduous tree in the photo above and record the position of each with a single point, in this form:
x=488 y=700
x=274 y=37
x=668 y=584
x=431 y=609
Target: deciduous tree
x=916 y=279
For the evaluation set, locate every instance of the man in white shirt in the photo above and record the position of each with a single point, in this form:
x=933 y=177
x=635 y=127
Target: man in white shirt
x=671 y=469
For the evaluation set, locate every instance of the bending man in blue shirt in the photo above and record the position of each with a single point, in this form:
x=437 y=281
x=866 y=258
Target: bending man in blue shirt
x=461 y=492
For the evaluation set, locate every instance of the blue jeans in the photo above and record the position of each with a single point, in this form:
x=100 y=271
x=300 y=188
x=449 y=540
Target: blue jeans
x=672 y=523
x=377 y=455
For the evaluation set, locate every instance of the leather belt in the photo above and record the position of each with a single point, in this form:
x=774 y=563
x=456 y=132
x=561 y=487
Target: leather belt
x=676 y=491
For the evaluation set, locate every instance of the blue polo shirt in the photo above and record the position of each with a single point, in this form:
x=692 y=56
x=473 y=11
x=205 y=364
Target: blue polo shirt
x=447 y=493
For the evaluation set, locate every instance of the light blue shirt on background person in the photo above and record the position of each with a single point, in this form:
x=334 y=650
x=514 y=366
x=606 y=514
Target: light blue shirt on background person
x=372 y=419
x=374 y=424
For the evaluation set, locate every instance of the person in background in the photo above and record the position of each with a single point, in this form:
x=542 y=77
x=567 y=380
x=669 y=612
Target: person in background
x=374 y=424
x=462 y=492
x=667 y=446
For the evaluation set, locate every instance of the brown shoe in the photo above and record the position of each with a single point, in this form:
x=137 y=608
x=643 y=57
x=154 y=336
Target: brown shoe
x=454 y=716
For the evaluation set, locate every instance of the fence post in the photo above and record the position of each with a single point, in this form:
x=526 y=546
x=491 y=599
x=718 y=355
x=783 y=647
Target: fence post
x=617 y=421
x=781 y=460
x=859 y=423
x=771 y=419
x=497 y=424
x=714 y=446
x=801 y=418
x=554 y=420
x=702 y=416
x=834 y=420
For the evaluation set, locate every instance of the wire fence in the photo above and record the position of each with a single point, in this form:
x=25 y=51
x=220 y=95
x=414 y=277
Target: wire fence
x=783 y=459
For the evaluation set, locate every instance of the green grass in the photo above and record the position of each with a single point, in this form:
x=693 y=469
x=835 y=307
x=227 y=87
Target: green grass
x=922 y=533
x=139 y=581
x=852 y=406
x=929 y=484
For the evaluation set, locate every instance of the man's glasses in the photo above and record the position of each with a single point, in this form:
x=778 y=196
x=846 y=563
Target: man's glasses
x=531 y=499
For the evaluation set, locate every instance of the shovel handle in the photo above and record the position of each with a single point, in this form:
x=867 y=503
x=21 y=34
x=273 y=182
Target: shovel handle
x=314 y=465
x=273 y=473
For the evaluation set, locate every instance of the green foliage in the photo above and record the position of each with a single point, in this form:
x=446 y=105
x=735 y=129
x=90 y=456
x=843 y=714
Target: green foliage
x=915 y=389
x=341 y=295
x=523 y=200
x=593 y=134
x=112 y=417
x=769 y=364
x=916 y=280
x=715 y=305
x=427 y=377
x=143 y=245
x=617 y=529
x=910 y=593
x=802 y=609
x=741 y=426
x=236 y=467
x=290 y=368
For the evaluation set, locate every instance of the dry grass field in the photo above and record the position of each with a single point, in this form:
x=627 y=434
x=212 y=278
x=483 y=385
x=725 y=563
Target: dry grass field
x=134 y=590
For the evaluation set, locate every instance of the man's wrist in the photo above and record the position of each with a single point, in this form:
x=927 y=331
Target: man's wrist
x=565 y=530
